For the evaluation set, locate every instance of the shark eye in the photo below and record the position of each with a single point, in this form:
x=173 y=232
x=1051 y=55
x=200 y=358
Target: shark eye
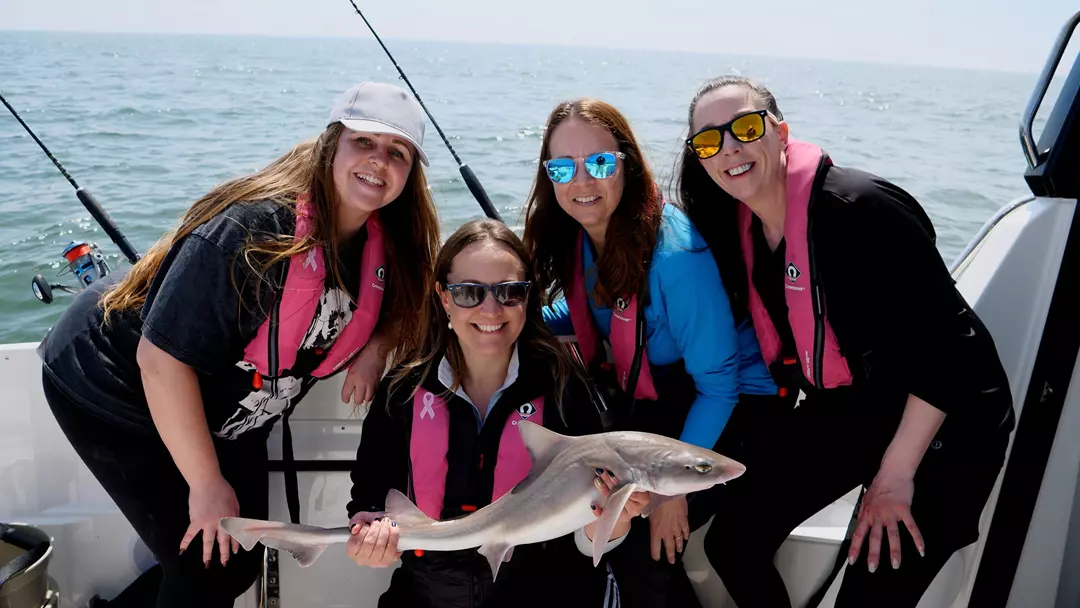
x=703 y=468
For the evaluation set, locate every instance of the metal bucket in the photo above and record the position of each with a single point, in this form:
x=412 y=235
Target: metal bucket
x=29 y=588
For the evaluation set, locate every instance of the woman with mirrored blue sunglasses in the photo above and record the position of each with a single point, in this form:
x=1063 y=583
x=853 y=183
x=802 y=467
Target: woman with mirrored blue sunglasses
x=600 y=165
x=854 y=307
x=630 y=272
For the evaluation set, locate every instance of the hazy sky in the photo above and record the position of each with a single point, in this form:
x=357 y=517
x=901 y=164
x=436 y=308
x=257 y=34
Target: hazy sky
x=1010 y=35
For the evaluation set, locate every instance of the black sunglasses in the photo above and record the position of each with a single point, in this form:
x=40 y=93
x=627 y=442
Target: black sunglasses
x=470 y=295
x=745 y=128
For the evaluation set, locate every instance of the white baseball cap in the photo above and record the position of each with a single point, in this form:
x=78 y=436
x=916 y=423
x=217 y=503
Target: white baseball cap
x=378 y=107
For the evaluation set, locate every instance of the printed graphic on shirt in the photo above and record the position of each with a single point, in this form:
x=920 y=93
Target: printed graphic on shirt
x=263 y=405
x=429 y=409
x=334 y=313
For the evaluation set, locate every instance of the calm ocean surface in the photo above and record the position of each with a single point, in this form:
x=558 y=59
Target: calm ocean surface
x=148 y=123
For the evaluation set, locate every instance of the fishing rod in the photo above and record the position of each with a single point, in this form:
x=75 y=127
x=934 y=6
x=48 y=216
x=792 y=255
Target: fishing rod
x=466 y=173
x=84 y=195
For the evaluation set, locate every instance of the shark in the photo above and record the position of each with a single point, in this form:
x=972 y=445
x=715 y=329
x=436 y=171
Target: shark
x=554 y=499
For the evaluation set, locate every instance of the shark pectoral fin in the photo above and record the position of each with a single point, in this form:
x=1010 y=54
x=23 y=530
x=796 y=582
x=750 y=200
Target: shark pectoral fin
x=401 y=510
x=606 y=524
x=496 y=554
x=304 y=554
x=655 y=500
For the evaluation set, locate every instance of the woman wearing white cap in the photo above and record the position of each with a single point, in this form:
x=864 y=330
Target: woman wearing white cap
x=168 y=380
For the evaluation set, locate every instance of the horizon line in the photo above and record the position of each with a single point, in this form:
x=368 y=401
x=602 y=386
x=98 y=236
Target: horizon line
x=616 y=47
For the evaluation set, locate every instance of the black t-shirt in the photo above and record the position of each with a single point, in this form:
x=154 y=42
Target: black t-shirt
x=194 y=312
x=768 y=280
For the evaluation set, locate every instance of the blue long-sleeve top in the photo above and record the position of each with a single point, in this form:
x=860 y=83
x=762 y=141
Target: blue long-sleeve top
x=689 y=318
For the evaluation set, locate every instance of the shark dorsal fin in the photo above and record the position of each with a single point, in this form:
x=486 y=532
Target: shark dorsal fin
x=542 y=444
x=402 y=511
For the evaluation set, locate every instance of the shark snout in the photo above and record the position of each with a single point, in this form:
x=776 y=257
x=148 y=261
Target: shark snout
x=729 y=469
x=715 y=470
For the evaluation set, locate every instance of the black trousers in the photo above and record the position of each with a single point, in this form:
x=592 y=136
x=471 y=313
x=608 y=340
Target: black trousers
x=139 y=475
x=644 y=582
x=804 y=460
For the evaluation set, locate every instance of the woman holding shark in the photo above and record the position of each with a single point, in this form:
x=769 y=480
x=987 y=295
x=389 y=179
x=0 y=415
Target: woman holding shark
x=443 y=430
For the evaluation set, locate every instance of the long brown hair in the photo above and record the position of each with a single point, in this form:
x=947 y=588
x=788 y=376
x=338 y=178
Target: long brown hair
x=712 y=210
x=535 y=338
x=632 y=231
x=411 y=225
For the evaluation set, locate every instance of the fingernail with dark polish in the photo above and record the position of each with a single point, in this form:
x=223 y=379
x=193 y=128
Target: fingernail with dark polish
x=593 y=507
x=599 y=471
x=610 y=473
x=393 y=524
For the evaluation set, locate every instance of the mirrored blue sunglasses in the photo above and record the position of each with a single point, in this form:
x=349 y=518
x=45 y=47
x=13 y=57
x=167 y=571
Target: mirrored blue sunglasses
x=600 y=165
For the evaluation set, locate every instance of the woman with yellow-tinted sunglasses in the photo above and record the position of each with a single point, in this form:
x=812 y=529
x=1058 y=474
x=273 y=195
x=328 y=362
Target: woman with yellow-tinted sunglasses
x=853 y=305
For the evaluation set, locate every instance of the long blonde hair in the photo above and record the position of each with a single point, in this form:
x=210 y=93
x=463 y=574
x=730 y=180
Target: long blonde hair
x=411 y=225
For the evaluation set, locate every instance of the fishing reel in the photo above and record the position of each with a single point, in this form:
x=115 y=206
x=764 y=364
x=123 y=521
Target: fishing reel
x=84 y=261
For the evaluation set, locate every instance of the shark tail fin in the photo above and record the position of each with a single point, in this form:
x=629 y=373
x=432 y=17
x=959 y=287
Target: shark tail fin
x=245 y=531
x=400 y=509
x=250 y=532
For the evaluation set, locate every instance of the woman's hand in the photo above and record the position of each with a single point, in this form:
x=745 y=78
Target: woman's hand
x=605 y=482
x=668 y=524
x=207 y=504
x=362 y=379
x=889 y=498
x=174 y=397
x=887 y=502
x=374 y=540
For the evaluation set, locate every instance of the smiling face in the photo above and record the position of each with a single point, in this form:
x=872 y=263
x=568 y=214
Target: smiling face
x=489 y=329
x=370 y=171
x=588 y=200
x=746 y=171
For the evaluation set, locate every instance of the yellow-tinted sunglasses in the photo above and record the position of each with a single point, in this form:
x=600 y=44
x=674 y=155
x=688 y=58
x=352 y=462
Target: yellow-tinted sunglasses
x=746 y=128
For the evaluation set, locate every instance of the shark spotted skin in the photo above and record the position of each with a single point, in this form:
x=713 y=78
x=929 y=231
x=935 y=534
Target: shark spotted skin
x=554 y=500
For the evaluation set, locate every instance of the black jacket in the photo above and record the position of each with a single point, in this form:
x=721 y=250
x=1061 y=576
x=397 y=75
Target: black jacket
x=900 y=322
x=463 y=578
